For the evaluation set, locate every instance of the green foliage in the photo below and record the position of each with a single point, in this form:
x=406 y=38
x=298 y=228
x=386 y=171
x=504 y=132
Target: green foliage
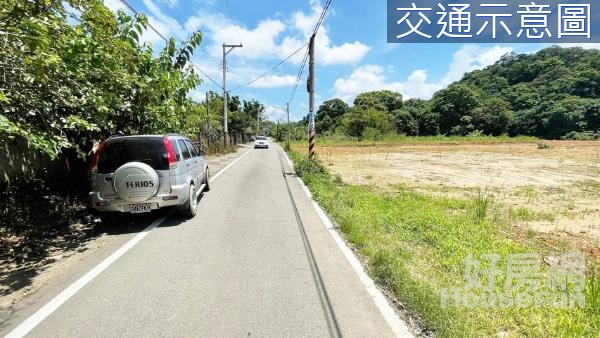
x=492 y=117
x=383 y=101
x=328 y=115
x=554 y=93
x=452 y=104
x=369 y=123
x=543 y=145
x=406 y=122
x=416 y=245
x=74 y=81
x=303 y=166
x=582 y=136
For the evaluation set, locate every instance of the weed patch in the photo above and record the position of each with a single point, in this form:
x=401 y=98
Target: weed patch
x=416 y=244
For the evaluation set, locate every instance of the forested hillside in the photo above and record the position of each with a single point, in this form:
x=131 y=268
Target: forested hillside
x=554 y=93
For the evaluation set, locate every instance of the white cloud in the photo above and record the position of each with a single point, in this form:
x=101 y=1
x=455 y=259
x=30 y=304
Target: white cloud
x=114 y=5
x=277 y=38
x=329 y=54
x=272 y=81
x=373 y=77
x=163 y=23
x=198 y=95
x=470 y=58
x=274 y=113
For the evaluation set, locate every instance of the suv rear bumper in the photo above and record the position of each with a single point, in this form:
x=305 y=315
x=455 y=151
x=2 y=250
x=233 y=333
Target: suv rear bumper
x=178 y=196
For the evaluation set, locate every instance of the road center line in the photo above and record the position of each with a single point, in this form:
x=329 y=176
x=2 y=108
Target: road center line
x=34 y=320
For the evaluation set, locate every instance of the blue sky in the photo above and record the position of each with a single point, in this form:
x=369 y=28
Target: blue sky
x=352 y=54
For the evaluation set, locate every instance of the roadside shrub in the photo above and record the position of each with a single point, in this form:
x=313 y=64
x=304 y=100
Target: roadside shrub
x=220 y=149
x=543 y=145
x=582 y=136
x=304 y=166
x=372 y=134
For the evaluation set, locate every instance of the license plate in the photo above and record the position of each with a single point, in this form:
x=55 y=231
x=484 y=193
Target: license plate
x=139 y=208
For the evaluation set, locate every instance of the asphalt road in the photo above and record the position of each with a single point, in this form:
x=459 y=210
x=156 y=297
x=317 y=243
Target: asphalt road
x=256 y=261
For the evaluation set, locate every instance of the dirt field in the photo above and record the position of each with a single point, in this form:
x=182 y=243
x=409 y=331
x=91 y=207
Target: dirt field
x=555 y=190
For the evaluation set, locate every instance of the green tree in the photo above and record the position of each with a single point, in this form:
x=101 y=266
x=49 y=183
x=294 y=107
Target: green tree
x=383 y=101
x=328 y=115
x=566 y=116
x=452 y=103
x=73 y=80
x=356 y=122
x=492 y=117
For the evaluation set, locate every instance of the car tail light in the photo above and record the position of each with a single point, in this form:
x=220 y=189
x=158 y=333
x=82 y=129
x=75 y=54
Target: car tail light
x=96 y=158
x=171 y=157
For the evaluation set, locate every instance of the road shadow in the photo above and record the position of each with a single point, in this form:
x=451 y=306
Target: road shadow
x=175 y=219
x=37 y=252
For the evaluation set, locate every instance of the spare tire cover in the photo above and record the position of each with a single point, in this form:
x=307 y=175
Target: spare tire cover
x=136 y=182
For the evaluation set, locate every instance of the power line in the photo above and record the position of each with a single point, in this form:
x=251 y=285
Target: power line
x=167 y=41
x=271 y=69
x=299 y=77
x=235 y=26
x=177 y=13
x=322 y=17
x=301 y=71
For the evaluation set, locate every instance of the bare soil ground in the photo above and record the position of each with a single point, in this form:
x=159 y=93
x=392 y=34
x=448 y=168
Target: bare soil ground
x=549 y=191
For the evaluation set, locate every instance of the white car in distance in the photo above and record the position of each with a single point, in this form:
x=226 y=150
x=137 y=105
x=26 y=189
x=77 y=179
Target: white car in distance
x=261 y=142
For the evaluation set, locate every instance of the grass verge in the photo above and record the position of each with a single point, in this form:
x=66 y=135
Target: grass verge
x=394 y=139
x=415 y=246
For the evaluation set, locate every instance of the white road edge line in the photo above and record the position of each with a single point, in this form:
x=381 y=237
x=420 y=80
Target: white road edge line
x=397 y=325
x=41 y=314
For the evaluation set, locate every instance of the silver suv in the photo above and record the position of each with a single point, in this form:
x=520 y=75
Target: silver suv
x=137 y=174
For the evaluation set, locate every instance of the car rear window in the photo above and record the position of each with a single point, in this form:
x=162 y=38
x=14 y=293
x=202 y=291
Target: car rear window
x=149 y=150
x=262 y=138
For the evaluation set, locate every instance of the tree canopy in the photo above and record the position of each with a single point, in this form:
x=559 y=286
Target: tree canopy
x=554 y=93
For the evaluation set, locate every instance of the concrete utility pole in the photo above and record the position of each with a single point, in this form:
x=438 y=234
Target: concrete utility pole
x=225 y=52
x=311 y=98
x=257 y=122
x=287 y=109
x=207 y=122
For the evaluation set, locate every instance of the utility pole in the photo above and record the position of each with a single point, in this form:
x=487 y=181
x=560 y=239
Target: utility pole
x=287 y=109
x=257 y=122
x=311 y=98
x=207 y=122
x=225 y=52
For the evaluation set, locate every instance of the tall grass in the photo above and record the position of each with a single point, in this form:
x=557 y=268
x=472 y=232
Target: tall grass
x=415 y=245
x=482 y=203
x=343 y=140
